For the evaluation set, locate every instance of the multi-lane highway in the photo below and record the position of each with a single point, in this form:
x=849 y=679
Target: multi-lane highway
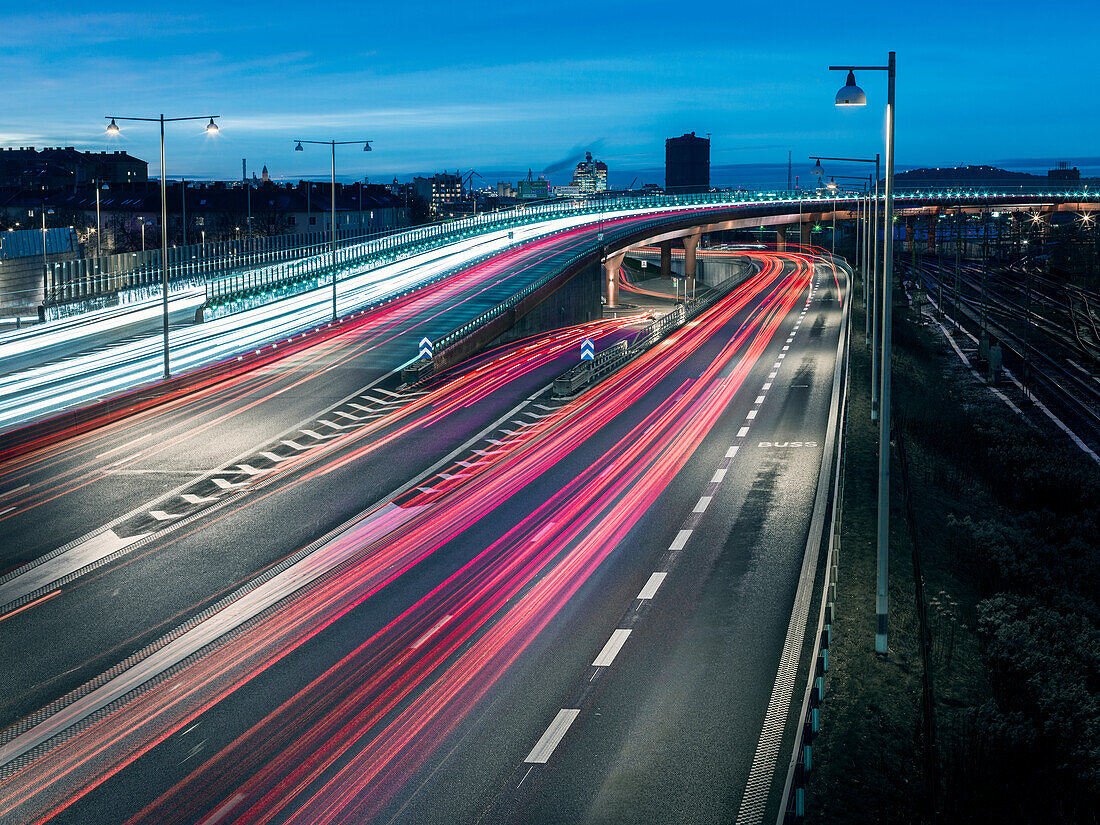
x=305 y=595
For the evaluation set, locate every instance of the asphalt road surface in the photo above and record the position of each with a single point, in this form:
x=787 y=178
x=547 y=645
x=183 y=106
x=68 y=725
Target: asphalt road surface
x=471 y=602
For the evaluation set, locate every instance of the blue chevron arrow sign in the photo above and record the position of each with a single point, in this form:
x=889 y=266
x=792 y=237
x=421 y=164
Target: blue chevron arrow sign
x=588 y=350
x=426 y=348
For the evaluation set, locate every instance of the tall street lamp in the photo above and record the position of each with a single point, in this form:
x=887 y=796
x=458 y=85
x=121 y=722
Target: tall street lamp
x=211 y=129
x=333 y=144
x=852 y=95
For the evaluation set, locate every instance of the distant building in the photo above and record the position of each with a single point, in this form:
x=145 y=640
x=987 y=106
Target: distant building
x=687 y=164
x=438 y=190
x=203 y=211
x=1063 y=172
x=590 y=175
x=56 y=168
x=532 y=189
x=21 y=265
x=572 y=191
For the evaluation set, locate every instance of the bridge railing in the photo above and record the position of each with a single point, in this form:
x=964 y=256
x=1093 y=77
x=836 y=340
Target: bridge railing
x=278 y=265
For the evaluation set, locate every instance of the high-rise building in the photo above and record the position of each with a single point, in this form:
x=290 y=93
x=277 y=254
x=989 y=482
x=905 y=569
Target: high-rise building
x=590 y=175
x=438 y=190
x=687 y=164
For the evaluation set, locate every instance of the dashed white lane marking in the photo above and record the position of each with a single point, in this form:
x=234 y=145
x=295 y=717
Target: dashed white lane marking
x=650 y=588
x=128 y=458
x=759 y=399
x=766 y=387
x=702 y=504
x=719 y=476
x=612 y=648
x=7 y=510
x=220 y=813
x=742 y=432
x=751 y=415
x=681 y=540
x=435 y=627
x=731 y=452
x=540 y=754
x=14 y=490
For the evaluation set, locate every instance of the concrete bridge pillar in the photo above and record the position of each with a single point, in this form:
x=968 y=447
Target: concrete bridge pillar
x=666 y=259
x=781 y=239
x=691 y=245
x=611 y=267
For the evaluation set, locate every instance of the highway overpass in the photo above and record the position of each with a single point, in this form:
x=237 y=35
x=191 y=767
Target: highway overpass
x=295 y=588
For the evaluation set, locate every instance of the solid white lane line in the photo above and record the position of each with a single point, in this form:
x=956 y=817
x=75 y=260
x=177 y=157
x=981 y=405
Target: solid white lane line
x=742 y=432
x=83 y=554
x=719 y=476
x=651 y=586
x=540 y=754
x=433 y=629
x=612 y=648
x=680 y=540
x=731 y=452
x=701 y=504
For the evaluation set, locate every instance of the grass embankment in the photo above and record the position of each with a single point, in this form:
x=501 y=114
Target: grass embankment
x=1007 y=523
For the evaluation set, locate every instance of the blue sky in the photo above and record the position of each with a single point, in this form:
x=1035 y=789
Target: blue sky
x=503 y=87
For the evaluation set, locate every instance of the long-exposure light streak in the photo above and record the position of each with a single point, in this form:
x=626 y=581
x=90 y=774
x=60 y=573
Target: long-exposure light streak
x=495 y=604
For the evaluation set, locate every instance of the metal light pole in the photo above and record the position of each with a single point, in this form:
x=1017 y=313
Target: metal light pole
x=98 y=225
x=45 y=265
x=851 y=95
x=211 y=129
x=872 y=320
x=333 y=144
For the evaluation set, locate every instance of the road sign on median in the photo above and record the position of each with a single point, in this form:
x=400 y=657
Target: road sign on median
x=426 y=348
x=588 y=350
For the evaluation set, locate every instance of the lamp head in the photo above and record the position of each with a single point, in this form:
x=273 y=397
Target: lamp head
x=818 y=170
x=831 y=185
x=211 y=127
x=366 y=146
x=299 y=148
x=112 y=127
x=851 y=94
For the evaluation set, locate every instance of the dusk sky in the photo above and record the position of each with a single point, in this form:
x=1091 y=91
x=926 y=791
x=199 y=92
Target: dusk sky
x=503 y=87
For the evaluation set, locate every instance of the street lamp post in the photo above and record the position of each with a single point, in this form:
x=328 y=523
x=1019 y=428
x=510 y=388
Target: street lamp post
x=211 y=129
x=45 y=266
x=851 y=95
x=872 y=318
x=333 y=144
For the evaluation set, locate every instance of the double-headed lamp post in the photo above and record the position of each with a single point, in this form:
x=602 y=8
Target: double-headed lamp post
x=334 y=144
x=852 y=95
x=211 y=129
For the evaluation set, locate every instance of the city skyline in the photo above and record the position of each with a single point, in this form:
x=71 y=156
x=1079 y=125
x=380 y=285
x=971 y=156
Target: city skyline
x=517 y=91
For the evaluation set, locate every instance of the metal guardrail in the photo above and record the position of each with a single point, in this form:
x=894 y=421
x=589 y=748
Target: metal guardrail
x=587 y=371
x=792 y=802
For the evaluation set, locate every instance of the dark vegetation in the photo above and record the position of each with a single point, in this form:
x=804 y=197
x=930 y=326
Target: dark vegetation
x=1007 y=523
